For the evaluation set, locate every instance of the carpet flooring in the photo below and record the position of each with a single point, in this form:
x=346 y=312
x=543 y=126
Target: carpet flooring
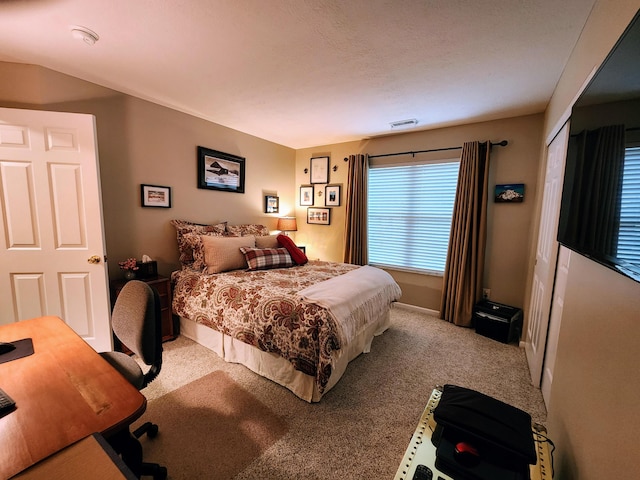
x=361 y=428
x=211 y=428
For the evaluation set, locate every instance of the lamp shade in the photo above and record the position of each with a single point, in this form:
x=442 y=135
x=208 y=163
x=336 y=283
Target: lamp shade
x=287 y=224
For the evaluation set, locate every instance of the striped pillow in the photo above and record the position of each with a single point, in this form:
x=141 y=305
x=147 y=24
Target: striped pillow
x=265 y=258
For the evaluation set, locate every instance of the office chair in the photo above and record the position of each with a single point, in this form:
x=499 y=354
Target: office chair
x=137 y=323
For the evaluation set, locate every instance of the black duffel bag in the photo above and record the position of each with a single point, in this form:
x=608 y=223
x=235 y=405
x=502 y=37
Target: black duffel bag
x=480 y=437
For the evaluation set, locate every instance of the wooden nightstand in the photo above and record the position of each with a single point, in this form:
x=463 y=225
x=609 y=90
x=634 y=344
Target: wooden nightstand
x=163 y=286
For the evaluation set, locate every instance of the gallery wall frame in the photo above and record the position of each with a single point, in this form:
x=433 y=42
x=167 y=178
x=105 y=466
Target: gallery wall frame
x=306 y=195
x=318 y=216
x=332 y=196
x=271 y=204
x=155 y=196
x=319 y=170
x=220 y=171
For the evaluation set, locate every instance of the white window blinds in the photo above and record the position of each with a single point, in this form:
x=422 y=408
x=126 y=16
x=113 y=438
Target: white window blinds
x=409 y=215
x=629 y=234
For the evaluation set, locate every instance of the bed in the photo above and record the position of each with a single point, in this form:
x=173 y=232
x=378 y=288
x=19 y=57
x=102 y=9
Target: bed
x=297 y=322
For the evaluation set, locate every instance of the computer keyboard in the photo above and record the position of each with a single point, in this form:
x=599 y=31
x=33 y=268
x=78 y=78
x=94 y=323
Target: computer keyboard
x=6 y=402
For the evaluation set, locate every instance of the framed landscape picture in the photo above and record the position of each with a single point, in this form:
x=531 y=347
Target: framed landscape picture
x=509 y=193
x=220 y=171
x=155 y=196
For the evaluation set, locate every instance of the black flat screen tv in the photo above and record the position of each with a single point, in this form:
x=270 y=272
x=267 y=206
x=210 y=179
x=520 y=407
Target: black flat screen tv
x=600 y=209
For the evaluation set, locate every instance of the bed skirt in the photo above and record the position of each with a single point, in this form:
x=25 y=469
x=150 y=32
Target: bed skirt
x=276 y=368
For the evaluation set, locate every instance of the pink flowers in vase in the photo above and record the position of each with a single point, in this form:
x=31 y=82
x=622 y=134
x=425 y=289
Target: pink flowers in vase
x=129 y=264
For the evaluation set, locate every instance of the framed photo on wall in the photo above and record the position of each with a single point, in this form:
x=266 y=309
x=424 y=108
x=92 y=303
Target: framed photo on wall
x=319 y=170
x=318 y=216
x=271 y=204
x=220 y=171
x=306 y=195
x=510 y=193
x=332 y=196
x=155 y=196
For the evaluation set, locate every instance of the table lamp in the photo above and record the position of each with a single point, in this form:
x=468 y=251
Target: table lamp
x=287 y=224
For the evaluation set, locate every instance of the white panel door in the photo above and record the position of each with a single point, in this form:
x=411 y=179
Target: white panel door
x=557 y=307
x=546 y=256
x=52 y=249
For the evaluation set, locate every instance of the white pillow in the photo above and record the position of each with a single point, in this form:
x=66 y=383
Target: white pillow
x=222 y=254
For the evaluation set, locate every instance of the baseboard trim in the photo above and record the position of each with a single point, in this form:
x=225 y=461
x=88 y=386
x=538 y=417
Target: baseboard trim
x=414 y=308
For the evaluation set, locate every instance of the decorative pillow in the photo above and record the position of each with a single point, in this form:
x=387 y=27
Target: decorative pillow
x=265 y=258
x=247 y=229
x=184 y=227
x=193 y=243
x=222 y=254
x=270 y=241
x=298 y=255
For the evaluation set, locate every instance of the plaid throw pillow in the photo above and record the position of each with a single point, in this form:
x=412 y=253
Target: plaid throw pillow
x=265 y=258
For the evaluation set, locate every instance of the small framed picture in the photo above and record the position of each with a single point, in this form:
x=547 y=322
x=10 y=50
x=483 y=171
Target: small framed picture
x=220 y=171
x=332 y=196
x=271 y=204
x=510 y=193
x=319 y=170
x=155 y=196
x=306 y=195
x=319 y=216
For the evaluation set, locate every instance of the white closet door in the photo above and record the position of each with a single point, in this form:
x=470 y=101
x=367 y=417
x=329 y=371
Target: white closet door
x=546 y=256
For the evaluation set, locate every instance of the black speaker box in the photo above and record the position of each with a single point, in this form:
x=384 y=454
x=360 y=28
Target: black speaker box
x=498 y=321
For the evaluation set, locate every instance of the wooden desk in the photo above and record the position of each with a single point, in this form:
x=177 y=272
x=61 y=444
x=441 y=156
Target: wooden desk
x=64 y=392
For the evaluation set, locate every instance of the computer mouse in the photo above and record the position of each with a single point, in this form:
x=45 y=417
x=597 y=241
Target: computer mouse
x=6 y=347
x=466 y=454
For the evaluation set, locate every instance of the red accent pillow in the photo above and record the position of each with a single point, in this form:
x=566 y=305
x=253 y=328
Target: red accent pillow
x=298 y=255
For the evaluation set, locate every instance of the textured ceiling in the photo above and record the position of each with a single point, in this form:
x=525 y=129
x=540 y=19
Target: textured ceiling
x=304 y=73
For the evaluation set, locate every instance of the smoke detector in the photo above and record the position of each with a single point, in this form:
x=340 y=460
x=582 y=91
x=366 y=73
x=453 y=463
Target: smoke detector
x=412 y=122
x=83 y=33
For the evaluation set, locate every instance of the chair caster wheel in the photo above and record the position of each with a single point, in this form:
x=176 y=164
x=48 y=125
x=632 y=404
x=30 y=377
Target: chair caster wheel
x=153 y=431
x=161 y=474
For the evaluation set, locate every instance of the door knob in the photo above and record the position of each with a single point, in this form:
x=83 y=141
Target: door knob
x=94 y=259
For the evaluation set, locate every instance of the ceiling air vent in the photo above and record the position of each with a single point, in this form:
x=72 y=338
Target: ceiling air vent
x=404 y=123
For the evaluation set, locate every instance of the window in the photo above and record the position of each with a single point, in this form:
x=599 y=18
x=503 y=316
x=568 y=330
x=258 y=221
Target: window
x=629 y=234
x=409 y=215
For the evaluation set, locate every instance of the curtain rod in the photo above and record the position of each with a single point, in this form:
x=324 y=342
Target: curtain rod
x=503 y=143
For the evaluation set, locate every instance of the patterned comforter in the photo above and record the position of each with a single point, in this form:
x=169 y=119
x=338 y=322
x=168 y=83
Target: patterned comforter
x=262 y=308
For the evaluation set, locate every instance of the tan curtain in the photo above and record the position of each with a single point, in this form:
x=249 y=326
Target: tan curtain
x=464 y=269
x=355 y=242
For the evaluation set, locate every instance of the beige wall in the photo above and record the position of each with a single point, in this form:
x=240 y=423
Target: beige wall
x=593 y=413
x=509 y=225
x=141 y=142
